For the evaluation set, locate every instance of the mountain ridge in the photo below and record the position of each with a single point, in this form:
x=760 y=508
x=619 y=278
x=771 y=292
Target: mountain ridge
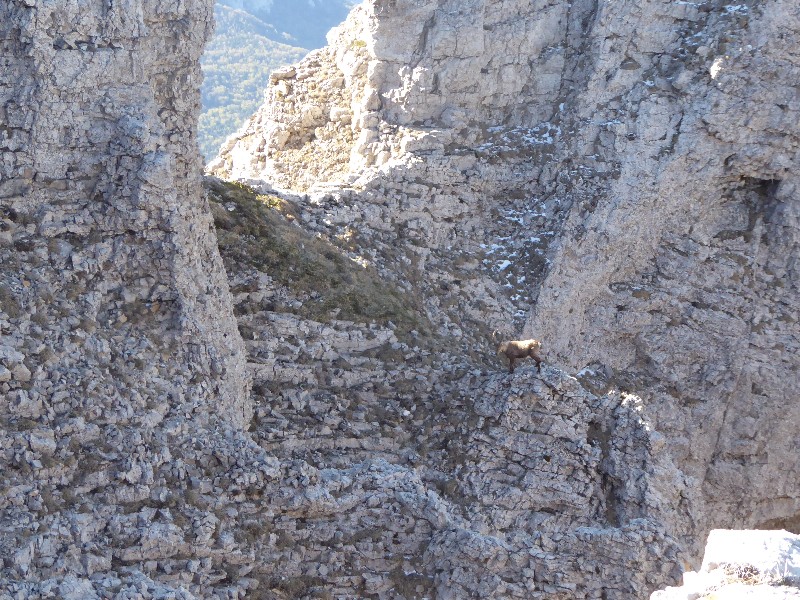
x=288 y=388
x=252 y=39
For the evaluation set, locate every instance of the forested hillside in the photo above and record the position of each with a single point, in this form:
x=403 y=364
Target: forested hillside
x=236 y=65
x=253 y=38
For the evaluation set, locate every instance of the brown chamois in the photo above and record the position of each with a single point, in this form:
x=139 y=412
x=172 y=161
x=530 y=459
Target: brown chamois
x=517 y=349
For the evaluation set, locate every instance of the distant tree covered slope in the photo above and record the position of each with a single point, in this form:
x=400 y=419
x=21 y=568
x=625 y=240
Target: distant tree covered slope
x=236 y=65
x=252 y=39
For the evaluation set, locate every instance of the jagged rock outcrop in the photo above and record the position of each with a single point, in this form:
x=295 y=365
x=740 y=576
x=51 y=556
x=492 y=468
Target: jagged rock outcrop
x=102 y=207
x=446 y=158
x=117 y=336
x=743 y=564
x=614 y=179
x=415 y=136
x=127 y=468
x=392 y=472
x=413 y=469
x=683 y=279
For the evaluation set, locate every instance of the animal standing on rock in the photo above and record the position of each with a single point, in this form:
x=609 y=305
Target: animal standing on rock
x=517 y=349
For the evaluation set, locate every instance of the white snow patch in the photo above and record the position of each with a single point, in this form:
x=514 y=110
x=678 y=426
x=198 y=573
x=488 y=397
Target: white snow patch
x=736 y=8
x=716 y=67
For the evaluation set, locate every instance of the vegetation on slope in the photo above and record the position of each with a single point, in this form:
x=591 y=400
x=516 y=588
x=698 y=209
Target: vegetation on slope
x=299 y=22
x=262 y=231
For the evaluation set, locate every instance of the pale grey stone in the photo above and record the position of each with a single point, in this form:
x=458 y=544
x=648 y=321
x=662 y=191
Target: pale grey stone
x=743 y=564
x=615 y=179
x=620 y=181
x=21 y=373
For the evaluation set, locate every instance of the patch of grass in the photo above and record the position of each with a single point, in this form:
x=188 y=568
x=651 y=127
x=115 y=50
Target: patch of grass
x=296 y=587
x=262 y=231
x=8 y=302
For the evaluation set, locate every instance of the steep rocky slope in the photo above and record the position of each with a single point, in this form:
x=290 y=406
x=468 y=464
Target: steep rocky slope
x=413 y=469
x=251 y=39
x=444 y=168
x=107 y=252
x=236 y=64
x=687 y=282
x=616 y=179
x=375 y=458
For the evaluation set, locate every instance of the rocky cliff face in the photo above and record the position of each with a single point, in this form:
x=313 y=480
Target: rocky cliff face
x=373 y=461
x=412 y=470
x=117 y=337
x=102 y=206
x=614 y=179
x=682 y=279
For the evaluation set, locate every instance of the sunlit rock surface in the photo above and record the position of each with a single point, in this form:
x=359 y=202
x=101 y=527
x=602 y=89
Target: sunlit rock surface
x=614 y=179
x=118 y=342
x=743 y=564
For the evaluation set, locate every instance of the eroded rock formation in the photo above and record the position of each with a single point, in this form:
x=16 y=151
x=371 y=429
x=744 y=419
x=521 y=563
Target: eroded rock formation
x=108 y=258
x=117 y=336
x=683 y=279
x=452 y=168
x=615 y=180
x=412 y=470
x=375 y=465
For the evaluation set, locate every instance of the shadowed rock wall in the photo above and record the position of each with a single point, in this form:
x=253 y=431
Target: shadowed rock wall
x=682 y=279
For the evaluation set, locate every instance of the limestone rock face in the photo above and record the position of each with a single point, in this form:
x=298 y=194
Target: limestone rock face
x=410 y=469
x=409 y=78
x=117 y=336
x=414 y=135
x=102 y=209
x=617 y=180
x=613 y=178
x=683 y=279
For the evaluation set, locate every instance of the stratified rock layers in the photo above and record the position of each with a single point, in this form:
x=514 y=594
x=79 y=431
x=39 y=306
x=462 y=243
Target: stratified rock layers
x=617 y=175
x=117 y=335
x=102 y=207
x=683 y=279
x=626 y=172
